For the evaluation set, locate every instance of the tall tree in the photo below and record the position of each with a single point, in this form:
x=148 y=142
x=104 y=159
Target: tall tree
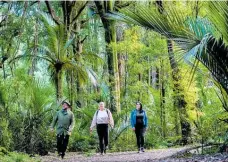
x=110 y=38
x=55 y=53
x=179 y=100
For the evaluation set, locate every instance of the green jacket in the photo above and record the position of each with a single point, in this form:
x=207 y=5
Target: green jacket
x=65 y=122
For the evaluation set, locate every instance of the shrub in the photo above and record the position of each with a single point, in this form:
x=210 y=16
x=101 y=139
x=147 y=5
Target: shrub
x=17 y=157
x=5 y=134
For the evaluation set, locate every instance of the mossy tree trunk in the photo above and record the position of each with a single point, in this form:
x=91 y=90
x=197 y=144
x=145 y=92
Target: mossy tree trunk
x=110 y=39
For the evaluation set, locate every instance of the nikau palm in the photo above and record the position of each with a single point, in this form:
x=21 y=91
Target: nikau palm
x=190 y=36
x=56 y=54
x=208 y=49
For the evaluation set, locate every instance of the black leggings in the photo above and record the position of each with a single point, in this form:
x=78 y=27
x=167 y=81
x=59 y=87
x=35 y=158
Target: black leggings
x=62 y=142
x=139 y=132
x=102 y=131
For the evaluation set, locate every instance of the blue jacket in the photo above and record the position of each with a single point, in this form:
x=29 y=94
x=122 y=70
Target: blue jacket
x=133 y=118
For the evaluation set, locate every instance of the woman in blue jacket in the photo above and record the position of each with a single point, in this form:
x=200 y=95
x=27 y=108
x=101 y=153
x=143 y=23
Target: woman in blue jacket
x=139 y=125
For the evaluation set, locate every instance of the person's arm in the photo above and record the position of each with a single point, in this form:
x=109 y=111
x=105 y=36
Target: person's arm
x=145 y=119
x=131 y=119
x=111 y=121
x=94 y=121
x=55 y=119
x=71 y=127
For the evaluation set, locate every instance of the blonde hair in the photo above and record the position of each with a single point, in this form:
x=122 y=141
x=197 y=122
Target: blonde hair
x=101 y=103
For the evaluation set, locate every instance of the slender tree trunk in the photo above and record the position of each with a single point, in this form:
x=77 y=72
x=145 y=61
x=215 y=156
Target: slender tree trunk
x=110 y=39
x=162 y=99
x=32 y=69
x=59 y=88
x=4 y=71
x=121 y=58
x=149 y=72
x=176 y=121
x=126 y=75
x=157 y=76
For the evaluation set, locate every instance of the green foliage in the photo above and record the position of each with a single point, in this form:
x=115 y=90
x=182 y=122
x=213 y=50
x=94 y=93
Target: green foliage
x=18 y=157
x=5 y=134
x=3 y=151
x=28 y=101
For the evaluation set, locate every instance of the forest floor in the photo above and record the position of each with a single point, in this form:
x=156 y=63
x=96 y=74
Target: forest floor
x=158 y=155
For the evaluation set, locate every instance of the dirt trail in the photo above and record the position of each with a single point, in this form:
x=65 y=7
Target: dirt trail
x=149 y=155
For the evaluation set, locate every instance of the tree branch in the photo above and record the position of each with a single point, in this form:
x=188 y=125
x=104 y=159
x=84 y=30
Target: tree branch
x=52 y=13
x=119 y=5
x=34 y=2
x=2 y=22
x=84 y=39
x=79 y=12
x=224 y=120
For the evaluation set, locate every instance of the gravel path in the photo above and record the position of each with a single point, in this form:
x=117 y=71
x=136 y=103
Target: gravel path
x=149 y=155
x=218 y=157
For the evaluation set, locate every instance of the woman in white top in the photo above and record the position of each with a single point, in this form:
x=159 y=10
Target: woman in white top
x=101 y=119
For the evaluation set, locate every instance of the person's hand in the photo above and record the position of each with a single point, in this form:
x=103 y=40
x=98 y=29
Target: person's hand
x=91 y=130
x=51 y=129
x=133 y=128
x=69 y=133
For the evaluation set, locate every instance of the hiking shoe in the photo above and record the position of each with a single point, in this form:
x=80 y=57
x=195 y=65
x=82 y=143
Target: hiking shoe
x=62 y=155
x=102 y=153
x=142 y=149
x=106 y=148
x=139 y=151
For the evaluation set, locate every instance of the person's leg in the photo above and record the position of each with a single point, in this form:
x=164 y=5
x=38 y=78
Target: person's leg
x=142 y=131
x=101 y=137
x=105 y=137
x=137 y=133
x=59 y=144
x=65 y=143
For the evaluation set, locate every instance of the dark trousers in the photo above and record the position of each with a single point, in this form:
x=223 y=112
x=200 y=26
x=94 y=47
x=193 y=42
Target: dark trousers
x=62 y=142
x=139 y=132
x=102 y=131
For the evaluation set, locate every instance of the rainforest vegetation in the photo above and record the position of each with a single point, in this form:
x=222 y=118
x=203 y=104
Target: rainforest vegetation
x=172 y=56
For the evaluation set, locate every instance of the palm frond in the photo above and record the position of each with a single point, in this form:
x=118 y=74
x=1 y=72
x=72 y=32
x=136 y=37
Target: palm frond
x=52 y=39
x=27 y=56
x=38 y=95
x=92 y=76
x=69 y=42
x=61 y=41
x=218 y=14
x=215 y=59
x=78 y=70
x=188 y=34
x=92 y=58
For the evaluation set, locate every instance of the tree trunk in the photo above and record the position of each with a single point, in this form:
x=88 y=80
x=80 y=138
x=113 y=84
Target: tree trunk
x=121 y=65
x=110 y=39
x=179 y=101
x=35 y=51
x=162 y=99
x=59 y=88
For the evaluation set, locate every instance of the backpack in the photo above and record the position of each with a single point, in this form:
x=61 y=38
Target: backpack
x=98 y=111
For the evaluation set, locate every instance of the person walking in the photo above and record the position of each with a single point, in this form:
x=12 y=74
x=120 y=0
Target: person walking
x=101 y=119
x=64 y=119
x=139 y=125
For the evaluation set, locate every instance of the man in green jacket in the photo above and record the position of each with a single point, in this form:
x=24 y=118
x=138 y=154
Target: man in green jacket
x=64 y=119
